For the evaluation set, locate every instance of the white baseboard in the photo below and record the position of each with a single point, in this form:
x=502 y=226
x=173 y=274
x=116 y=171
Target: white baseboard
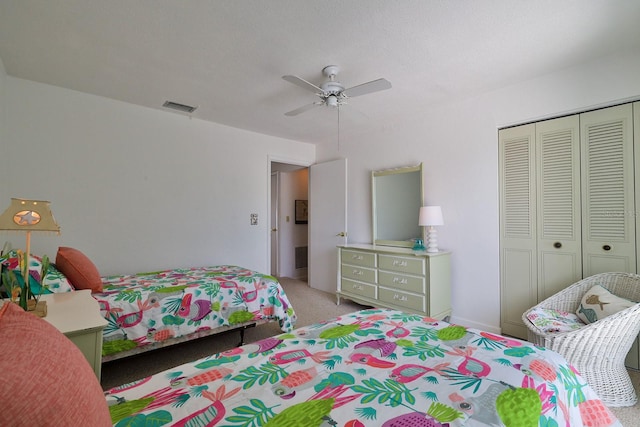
x=470 y=323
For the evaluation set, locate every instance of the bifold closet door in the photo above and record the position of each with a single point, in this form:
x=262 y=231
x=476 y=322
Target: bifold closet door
x=518 y=250
x=540 y=215
x=558 y=204
x=633 y=358
x=608 y=200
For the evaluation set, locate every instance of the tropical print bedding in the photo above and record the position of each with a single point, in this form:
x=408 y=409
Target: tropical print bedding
x=148 y=308
x=375 y=367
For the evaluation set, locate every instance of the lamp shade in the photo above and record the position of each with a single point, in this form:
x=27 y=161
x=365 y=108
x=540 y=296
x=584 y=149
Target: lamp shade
x=28 y=215
x=430 y=215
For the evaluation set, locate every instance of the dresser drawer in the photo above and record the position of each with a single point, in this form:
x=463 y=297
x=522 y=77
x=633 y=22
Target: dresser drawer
x=402 y=264
x=402 y=299
x=402 y=282
x=358 y=288
x=365 y=259
x=359 y=273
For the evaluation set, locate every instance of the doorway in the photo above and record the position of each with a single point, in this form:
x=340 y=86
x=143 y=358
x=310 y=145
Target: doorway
x=288 y=229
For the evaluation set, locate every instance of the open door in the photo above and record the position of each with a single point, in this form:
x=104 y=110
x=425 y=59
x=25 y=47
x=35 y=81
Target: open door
x=275 y=241
x=327 y=222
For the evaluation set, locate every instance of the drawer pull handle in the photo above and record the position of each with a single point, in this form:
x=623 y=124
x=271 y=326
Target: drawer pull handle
x=606 y=247
x=400 y=280
x=358 y=287
x=399 y=263
x=557 y=245
x=358 y=257
x=358 y=272
x=401 y=298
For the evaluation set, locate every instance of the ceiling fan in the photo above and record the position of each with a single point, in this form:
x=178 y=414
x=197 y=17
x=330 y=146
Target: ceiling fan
x=332 y=93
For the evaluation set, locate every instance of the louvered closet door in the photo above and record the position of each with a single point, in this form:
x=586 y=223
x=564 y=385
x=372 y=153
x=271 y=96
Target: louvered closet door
x=559 y=206
x=636 y=149
x=608 y=207
x=633 y=358
x=518 y=258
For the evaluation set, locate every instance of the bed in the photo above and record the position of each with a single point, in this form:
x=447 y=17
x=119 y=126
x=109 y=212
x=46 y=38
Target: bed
x=146 y=311
x=150 y=310
x=375 y=367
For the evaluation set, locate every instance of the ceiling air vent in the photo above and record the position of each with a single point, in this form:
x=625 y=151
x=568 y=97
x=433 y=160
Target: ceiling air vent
x=179 y=107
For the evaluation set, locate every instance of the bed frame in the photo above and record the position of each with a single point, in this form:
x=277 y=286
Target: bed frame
x=241 y=327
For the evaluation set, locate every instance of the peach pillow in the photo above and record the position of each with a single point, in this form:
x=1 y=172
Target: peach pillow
x=81 y=272
x=46 y=379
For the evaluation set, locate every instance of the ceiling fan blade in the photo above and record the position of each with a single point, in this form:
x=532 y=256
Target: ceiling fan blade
x=369 y=87
x=302 y=83
x=301 y=109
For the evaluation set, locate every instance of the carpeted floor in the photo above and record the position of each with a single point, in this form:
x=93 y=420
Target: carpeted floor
x=311 y=306
x=630 y=416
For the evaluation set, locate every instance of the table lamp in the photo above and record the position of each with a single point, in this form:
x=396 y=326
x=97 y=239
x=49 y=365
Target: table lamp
x=28 y=215
x=429 y=217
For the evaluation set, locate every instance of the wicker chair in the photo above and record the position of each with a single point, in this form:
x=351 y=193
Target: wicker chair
x=597 y=350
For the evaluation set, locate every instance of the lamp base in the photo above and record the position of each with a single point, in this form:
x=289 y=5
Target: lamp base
x=39 y=308
x=432 y=240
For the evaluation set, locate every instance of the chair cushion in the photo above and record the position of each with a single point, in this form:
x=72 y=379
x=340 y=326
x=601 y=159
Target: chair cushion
x=46 y=380
x=551 y=321
x=598 y=303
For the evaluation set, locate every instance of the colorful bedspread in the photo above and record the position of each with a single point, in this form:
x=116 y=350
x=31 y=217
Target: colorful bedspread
x=375 y=367
x=149 y=308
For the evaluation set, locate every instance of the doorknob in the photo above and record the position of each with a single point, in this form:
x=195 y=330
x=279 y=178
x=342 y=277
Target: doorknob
x=341 y=234
x=274 y=229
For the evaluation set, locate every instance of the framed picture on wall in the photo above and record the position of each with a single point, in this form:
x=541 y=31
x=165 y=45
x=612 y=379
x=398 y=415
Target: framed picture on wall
x=302 y=212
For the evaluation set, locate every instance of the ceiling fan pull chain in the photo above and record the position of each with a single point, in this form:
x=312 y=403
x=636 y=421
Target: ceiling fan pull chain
x=338 y=128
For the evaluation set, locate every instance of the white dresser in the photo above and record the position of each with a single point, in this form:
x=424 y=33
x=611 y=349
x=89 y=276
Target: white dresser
x=393 y=277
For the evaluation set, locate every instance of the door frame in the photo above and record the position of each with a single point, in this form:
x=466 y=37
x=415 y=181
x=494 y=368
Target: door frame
x=270 y=160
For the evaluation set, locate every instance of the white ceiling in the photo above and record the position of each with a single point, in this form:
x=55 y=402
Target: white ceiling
x=228 y=56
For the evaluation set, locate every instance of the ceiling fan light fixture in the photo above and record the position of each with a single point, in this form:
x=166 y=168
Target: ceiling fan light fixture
x=331 y=92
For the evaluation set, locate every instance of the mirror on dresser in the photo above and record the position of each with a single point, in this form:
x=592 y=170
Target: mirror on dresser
x=397 y=195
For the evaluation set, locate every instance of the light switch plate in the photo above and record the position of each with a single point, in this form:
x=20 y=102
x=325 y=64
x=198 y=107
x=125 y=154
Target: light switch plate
x=254 y=219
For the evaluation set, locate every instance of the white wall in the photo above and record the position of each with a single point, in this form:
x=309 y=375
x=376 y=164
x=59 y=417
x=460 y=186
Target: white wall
x=139 y=189
x=4 y=159
x=458 y=145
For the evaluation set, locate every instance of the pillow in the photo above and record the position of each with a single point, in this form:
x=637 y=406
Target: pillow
x=46 y=379
x=54 y=280
x=599 y=303
x=552 y=321
x=79 y=269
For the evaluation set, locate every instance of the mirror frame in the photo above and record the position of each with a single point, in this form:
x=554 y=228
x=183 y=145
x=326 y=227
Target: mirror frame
x=396 y=171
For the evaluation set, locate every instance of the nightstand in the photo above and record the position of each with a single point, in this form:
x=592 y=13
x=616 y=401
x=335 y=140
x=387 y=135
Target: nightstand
x=77 y=315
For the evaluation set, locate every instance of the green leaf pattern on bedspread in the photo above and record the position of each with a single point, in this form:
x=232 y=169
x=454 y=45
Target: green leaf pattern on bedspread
x=375 y=367
x=153 y=307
